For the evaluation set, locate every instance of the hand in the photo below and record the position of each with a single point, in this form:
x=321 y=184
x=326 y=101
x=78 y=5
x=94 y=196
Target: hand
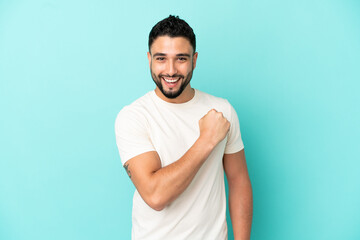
x=213 y=127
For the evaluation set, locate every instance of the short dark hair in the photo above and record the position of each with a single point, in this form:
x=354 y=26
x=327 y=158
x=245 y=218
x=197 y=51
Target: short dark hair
x=172 y=26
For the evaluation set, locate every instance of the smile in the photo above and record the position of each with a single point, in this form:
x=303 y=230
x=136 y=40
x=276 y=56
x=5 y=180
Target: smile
x=171 y=80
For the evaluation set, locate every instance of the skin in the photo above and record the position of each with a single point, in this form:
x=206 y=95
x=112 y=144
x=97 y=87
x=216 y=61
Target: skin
x=169 y=57
x=240 y=194
x=159 y=186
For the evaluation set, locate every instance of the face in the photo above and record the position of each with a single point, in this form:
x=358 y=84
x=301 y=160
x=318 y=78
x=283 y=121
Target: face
x=172 y=62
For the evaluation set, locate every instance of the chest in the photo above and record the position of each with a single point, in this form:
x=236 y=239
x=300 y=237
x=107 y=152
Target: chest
x=173 y=132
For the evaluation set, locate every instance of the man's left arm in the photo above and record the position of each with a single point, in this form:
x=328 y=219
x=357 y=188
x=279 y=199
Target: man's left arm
x=240 y=194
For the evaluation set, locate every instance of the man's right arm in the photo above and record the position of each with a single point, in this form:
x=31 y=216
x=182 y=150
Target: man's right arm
x=159 y=186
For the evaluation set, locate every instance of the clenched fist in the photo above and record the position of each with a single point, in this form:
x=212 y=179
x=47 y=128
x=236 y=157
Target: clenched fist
x=213 y=127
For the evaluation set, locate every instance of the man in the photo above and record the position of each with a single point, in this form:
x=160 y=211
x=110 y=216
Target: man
x=175 y=143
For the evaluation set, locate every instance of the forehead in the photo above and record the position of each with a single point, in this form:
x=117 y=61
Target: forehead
x=171 y=45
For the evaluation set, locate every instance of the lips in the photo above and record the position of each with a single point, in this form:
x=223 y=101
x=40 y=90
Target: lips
x=170 y=82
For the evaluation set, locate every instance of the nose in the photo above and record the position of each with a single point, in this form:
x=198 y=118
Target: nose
x=171 y=68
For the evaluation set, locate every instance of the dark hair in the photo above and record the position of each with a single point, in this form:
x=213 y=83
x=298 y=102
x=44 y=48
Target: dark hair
x=172 y=26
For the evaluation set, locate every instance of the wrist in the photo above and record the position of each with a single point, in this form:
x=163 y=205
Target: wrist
x=206 y=144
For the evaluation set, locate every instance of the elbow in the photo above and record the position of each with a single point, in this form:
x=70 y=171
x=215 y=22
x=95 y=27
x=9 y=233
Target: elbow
x=155 y=197
x=156 y=202
x=157 y=207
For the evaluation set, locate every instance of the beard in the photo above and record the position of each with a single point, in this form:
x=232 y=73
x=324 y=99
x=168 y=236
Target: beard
x=172 y=94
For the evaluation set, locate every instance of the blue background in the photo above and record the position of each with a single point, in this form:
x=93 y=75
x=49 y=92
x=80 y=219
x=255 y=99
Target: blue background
x=291 y=69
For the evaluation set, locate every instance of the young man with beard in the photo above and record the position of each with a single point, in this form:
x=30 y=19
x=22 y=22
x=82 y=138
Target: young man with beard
x=176 y=142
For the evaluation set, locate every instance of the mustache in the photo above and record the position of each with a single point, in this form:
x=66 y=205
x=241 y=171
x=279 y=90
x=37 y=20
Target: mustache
x=172 y=76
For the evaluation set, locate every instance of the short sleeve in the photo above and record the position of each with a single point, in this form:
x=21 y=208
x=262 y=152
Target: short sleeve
x=234 y=142
x=132 y=135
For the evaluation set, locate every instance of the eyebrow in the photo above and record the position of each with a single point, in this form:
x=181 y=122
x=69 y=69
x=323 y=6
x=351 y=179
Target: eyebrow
x=178 y=55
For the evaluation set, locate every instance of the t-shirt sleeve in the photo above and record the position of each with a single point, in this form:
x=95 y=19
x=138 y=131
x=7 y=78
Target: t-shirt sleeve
x=234 y=142
x=132 y=135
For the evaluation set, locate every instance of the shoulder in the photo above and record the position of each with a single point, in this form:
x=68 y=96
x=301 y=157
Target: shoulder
x=208 y=97
x=137 y=106
x=135 y=111
x=213 y=99
x=218 y=103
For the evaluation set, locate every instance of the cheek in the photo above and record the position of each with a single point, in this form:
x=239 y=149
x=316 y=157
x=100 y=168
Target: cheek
x=157 y=68
x=187 y=69
x=183 y=67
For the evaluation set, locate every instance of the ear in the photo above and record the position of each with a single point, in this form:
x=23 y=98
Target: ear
x=195 y=59
x=149 y=58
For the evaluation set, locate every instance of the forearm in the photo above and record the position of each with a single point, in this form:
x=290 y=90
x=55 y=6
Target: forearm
x=241 y=208
x=170 y=181
x=159 y=186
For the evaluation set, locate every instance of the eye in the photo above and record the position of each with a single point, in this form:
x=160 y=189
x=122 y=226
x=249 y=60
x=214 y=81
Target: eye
x=160 y=58
x=182 y=59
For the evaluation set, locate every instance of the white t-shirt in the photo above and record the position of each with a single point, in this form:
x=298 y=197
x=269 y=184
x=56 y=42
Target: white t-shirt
x=152 y=124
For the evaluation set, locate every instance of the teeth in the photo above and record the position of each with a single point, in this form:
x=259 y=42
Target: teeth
x=171 y=80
